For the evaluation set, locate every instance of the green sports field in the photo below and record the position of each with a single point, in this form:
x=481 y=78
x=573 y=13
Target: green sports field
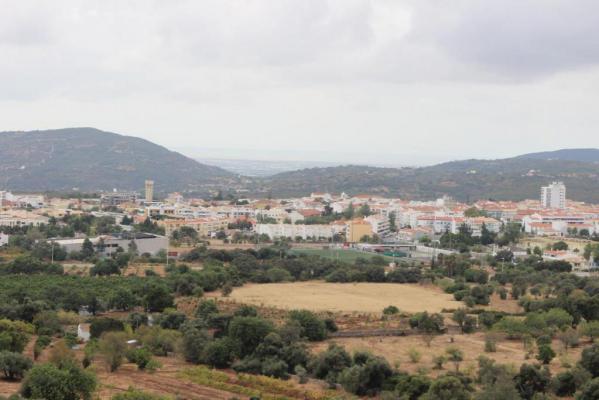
x=344 y=255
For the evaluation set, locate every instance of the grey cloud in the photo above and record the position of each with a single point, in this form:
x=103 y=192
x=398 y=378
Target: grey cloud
x=518 y=39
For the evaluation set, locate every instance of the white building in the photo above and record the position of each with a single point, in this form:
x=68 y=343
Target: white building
x=274 y=231
x=3 y=239
x=380 y=225
x=22 y=218
x=554 y=195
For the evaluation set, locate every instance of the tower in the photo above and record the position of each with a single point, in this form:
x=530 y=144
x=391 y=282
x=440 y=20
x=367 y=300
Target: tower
x=149 y=191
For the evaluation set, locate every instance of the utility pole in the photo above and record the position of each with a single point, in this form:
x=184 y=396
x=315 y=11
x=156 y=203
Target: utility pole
x=168 y=240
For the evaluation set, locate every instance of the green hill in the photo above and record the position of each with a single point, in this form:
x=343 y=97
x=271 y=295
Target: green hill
x=90 y=159
x=469 y=180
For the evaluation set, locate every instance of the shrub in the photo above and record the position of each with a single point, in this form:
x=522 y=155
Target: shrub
x=455 y=355
x=140 y=356
x=301 y=373
x=313 y=328
x=414 y=355
x=564 y=384
x=439 y=361
x=590 y=360
x=448 y=388
x=133 y=394
x=113 y=346
x=100 y=325
x=390 y=310
x=14 y=365
x=49 y=382
x=546 y=354
x=40 y=344
x=490 y=343
x=531 y=379
x=219 y=353
x=331 y=362
x=590 y=391
x=249 y=332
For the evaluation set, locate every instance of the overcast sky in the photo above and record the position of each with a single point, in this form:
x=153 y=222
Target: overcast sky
x=348 y=80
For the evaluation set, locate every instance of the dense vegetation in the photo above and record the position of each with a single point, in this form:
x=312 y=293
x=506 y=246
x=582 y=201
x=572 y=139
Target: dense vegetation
x=36 y=297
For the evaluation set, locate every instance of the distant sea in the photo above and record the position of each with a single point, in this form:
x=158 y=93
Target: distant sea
x=261 y=168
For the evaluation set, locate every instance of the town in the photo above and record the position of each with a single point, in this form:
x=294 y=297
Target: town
x=320 y=222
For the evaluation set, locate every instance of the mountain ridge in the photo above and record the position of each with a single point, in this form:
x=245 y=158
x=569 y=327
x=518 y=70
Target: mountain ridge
x=91 y=159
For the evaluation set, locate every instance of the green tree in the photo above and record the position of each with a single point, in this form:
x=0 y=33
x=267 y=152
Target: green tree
x=329 y=363
x=448 y=388
x=546 y=354
x=14 y=365
x=532 y=379
x=456 y=356
x=87 y=249
x=248 y=332
x=113 y=346
x=590 y=391
x=49 y=382
x=219 y=353
x=590 y=359
x=313 y=328
x=14 y=335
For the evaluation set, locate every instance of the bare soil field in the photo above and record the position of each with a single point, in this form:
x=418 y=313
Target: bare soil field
x=395 y=349
x=345 y=297
x=140 y=269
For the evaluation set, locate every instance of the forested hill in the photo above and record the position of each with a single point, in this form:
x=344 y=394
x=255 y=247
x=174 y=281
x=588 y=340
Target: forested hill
x=469 y=180
x=583 y=155
x=90 y=159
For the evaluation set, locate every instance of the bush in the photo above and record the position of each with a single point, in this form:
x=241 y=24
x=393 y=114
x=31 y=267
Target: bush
x=366 y=376
x=590 y=391
x=249 y=332
x=412 y=387
x=40 y=344
x=194 y=341
x=546 y=354
x=564 y=384
x=159 y=341
x=531 y=379
x=330 y=363
x=14 y=335
x=490 y=343
x=48 y=382
x=301 y=373
x=448 y=388
x=390 y=310
x=219 y=353
x=140 y=356
x=313 y=328
x=590 y=360
x=100 y=325
x=414 y=355
x=133 y=394
x=14 y=365
x=113 y=346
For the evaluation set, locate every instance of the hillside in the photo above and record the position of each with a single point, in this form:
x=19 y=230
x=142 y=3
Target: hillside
x=582 y=155
x=90 y=159
x=506 y=179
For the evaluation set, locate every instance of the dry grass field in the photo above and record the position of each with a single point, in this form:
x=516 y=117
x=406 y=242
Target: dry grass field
x=345 y=297
x=395 y=349
x=542 y=242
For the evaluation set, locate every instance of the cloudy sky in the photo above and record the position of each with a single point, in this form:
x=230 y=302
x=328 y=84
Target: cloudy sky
x=341 y=80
